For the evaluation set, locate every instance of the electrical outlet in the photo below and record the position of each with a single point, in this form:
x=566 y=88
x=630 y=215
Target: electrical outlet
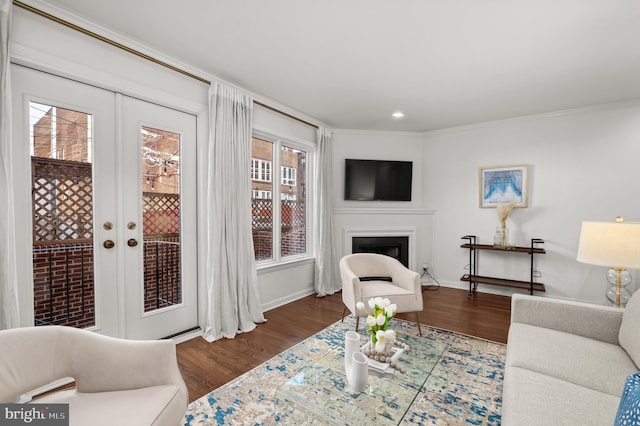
x=425 y=266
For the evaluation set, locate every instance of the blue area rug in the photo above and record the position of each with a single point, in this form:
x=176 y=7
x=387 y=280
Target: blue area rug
x=465 y=387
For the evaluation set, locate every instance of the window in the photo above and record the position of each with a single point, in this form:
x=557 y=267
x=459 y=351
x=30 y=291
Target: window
x=288 y=175
x=261 y=195
x=260 y=170
x=279 y=207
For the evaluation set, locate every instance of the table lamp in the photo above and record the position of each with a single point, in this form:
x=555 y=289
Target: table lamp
x=614 y=244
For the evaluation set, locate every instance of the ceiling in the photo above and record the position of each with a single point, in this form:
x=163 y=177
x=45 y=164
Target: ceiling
x=351 y=63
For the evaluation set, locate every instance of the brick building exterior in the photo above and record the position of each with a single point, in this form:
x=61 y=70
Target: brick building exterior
x=63 y=260
x=292 y=176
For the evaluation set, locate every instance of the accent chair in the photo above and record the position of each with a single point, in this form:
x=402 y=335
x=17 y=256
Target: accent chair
x=118 y=382
x=367 y=275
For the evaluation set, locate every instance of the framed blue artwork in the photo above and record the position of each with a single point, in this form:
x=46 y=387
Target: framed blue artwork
x=503 y=184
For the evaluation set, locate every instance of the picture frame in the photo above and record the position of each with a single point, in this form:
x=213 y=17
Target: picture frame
x=503 y=184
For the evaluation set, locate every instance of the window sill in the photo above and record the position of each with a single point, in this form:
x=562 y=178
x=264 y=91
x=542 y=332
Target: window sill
x=271 y=265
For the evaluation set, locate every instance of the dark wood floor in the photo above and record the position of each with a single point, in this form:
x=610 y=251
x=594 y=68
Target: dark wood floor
x=206 y=366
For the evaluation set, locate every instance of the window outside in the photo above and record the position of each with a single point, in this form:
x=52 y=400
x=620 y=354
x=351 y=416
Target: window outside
x=289 y=187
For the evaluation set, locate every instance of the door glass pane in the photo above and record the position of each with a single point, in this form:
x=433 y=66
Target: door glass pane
x=293 y=212
x=161 y=218
x=62 y=206
x=261 y=198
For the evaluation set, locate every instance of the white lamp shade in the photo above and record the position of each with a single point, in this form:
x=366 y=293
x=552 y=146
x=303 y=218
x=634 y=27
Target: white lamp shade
x=615 y=244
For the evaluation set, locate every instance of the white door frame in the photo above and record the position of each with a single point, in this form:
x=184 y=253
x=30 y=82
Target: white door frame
x=21 y=158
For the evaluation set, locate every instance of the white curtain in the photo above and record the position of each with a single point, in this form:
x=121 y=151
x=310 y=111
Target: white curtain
x=9 y=317
x=233 y=303
x=327 y=277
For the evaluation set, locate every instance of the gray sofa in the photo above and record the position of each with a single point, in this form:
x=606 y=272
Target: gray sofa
x=567 y=361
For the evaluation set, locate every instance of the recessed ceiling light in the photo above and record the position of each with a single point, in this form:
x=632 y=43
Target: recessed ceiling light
x=397 y=115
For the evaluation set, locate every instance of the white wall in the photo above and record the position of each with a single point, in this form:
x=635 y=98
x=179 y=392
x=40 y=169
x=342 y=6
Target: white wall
x=583 y=165
x=395 y=217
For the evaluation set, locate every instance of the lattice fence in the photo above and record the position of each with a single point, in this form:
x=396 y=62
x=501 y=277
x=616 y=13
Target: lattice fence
x=292 y=213
x=262 y=214
x=161 y=214
x=62 y=201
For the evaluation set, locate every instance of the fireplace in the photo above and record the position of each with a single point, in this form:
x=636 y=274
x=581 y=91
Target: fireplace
x=394 y=246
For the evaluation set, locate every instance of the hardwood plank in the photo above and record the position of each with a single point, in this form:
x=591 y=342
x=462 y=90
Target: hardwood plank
x=206 y=366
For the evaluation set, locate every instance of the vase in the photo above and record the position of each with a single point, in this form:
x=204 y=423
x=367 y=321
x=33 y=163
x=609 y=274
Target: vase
x=351 y=346
x=497 y=237
x=358 y=375
x=501 y=237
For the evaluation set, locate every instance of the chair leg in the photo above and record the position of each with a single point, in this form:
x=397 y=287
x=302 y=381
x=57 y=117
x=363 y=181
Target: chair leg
x=418 y=324
x=344 y=312
x=357 y=322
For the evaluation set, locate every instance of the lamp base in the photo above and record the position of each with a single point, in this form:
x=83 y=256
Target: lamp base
x=617 y=293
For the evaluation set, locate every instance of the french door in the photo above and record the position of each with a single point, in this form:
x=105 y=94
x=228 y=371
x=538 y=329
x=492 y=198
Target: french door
x=107 y=193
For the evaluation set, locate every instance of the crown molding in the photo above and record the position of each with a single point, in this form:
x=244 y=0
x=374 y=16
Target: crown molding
x=492 y=123
x=532 y=117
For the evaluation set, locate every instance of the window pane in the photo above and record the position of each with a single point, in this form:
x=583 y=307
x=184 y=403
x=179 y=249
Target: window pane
x=293 y=202
x=161 y=218
x=62 y=202
x=261 y=202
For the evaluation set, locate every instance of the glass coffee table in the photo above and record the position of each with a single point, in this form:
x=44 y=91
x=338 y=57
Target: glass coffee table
x=320 y=393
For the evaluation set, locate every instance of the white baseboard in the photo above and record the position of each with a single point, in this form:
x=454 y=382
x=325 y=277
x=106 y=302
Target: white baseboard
x=180 y=338
x=287 y=299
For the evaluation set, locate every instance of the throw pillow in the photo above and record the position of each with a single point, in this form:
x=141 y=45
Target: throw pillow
x=629 y=408
x=628 y=335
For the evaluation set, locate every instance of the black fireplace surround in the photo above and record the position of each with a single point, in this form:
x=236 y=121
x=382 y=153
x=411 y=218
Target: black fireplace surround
x=396 y=247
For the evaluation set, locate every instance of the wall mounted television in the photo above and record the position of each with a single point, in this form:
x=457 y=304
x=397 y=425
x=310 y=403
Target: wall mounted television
x=377 y=180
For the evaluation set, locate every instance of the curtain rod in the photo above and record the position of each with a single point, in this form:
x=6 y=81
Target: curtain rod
x=140 y=54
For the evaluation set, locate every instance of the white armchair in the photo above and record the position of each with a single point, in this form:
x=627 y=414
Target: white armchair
x=367 y=275
x=118 y=382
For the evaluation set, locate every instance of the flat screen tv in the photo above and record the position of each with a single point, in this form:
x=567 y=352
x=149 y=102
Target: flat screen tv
x=377 y=180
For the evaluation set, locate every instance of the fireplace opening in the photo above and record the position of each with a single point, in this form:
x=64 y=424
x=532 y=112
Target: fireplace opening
x=396 y=247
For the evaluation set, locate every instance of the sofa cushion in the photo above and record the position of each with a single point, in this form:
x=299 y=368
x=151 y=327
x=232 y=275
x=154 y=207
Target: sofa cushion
x=128 y=407
x=530 y=398
x=628 y=336
x=629 y=409
x=590 y=363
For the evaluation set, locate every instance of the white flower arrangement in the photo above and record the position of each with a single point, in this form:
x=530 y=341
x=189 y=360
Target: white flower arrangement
x=382 y=310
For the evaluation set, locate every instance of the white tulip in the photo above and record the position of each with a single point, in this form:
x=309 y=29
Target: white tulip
x=381 y=319
x=391 y=309
x=372 y=303
x=385 y=303
x=360 y=306
x=371 y=320
x=378 y=301
x=379 y=346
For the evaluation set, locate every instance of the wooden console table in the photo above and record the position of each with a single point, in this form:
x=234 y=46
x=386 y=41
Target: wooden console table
x=474 y=279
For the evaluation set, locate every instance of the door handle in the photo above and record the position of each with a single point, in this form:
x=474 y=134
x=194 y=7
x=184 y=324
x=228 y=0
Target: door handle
x=109 y=244
x=132 y=242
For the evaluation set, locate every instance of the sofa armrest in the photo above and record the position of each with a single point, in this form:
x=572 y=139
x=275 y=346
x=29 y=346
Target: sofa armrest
x=406 y=278
x=583 y=319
